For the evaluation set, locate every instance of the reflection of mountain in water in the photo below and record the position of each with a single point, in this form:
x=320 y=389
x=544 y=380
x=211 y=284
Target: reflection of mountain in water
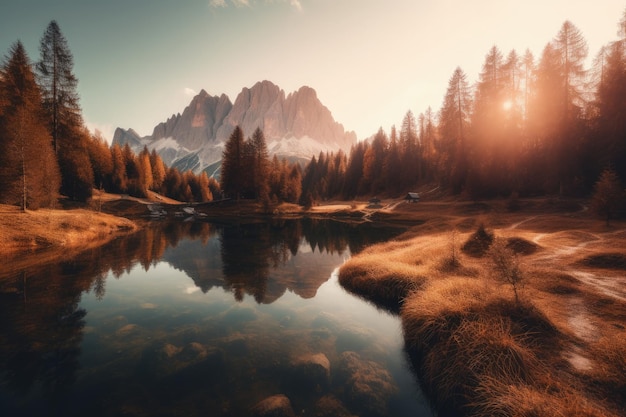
x=258 y=259
x=42 y=325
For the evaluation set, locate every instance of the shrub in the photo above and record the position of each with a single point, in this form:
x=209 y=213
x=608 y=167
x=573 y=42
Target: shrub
x=479 y=242
x=608 y=196
x=505 y=266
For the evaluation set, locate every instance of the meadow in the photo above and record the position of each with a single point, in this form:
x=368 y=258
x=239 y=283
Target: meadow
x=506 y=310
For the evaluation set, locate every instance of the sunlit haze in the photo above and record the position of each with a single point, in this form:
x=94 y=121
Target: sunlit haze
x=138 y=62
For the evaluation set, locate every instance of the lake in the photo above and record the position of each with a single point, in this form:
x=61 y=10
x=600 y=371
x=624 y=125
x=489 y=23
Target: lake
x=200 y=318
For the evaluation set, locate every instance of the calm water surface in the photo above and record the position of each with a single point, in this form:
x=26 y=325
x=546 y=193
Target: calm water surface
x=202 y=319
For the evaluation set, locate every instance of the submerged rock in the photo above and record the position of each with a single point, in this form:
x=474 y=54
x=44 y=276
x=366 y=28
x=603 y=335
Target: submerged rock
x=164 y=359
x=126 y=330
x=330 y=406
x=368 y=385
x=312 y=371
x=274 y=406
x=193 y=352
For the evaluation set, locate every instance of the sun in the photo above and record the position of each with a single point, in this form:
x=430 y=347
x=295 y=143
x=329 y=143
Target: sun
x=507 y=105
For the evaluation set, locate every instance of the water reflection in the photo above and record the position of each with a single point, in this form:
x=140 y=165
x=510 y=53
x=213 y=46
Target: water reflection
x=118 y=331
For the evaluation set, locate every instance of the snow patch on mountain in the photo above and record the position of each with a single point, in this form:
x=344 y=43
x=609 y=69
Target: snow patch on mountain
x=303 y=147
x=296 y=126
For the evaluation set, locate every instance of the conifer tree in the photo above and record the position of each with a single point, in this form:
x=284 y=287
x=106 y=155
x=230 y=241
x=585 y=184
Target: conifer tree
x=29 y=174
x=58 y=83
x=119 y=180
x=232 y=179
x=610 y=101
x=261 y=163
x=411 y=157
x=158 y=170
x=63 y=114
x=391 y=164
x=101 y=161
x=608 y=195
x=454 y=120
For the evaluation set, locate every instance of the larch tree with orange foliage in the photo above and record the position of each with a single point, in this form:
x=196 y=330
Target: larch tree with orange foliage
x=29 y=174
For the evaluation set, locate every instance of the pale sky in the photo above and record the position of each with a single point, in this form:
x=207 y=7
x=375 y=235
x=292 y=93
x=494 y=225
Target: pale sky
x=140 y=61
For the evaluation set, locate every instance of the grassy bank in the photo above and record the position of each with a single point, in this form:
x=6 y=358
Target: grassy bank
x=559 y=350
x=56 y=233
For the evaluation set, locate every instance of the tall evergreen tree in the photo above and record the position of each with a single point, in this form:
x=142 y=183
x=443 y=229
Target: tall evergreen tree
x=392 y=170
x=610 y=100
x=572 y=48
x=373 y=162
x=58 y=83
x=29 y=174
x=101 y=162
x=528 y=71
x=410 y=150
x=259 y=164
x=428 y=138
x=454 y=119
x=158 y=170
x=119 y=179
x=232 y=179
x=62 y=110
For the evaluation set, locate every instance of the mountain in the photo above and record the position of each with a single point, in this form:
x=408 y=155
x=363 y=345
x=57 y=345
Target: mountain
x=297 y=126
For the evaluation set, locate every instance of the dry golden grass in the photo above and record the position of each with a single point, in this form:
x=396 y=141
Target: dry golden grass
x=67 y=230
x=559 y=351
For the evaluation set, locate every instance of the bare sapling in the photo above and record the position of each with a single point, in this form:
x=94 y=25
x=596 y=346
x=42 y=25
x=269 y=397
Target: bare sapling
x=453 y=261
x=506 y=266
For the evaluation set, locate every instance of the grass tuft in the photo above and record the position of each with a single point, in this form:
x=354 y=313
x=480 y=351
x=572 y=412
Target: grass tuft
x=477 y=351
x=521 y=246
x=606 y=261
x=478 y=243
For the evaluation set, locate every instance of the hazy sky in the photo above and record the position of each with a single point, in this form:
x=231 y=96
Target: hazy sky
x=140 y=61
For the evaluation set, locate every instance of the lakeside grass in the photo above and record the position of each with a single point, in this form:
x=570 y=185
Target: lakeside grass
x=56 y=233
x=559 y=351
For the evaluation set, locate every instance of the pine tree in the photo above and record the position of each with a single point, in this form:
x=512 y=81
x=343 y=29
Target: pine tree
x=29 y=174
x=392 y=170
x=608 y=195
x=454 y=119
x=101 y=161
x=58 y=83
x=572 y=48
x=63 y=114
x=119 y=179
x=158 y=170
x=146 y=170
x=410 y=152
x=428 y=138
x=610 y=101
x=232 y=179
x=259 y=164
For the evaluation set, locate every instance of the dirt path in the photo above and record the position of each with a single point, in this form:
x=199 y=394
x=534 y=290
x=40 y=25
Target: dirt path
x=563 y=248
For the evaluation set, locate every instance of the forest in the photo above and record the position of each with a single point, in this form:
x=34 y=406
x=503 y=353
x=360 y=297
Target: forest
x=529 y=126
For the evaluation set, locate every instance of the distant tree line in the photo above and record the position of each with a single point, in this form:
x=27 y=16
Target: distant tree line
x=527 y=127
x=45 y=149
x=248 y=172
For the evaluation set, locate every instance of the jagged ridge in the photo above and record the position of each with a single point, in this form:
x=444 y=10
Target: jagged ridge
x=295 y=126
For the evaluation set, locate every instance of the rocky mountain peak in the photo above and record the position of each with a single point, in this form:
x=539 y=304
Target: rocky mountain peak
x=294 y=125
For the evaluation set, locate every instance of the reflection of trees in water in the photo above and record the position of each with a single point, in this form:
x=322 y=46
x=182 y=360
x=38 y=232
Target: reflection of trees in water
x=41 y=325
x=335 y=237
x=251 y=253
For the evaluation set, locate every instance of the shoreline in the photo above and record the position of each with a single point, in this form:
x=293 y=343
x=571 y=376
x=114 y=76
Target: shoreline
x=48 y=234
x=475 y=349
x=559 y=350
